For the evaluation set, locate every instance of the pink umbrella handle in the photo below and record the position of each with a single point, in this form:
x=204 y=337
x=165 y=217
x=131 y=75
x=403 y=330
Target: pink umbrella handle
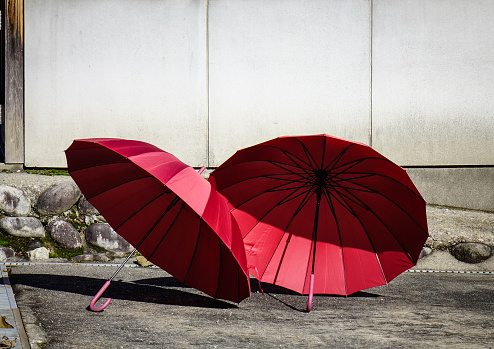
x=311 y=292
x=201 y=170
x=97 y=296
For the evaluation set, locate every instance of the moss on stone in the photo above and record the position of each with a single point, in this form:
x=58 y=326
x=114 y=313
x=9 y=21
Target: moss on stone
x=18 y=244
x=59 y=251
x=49 y=172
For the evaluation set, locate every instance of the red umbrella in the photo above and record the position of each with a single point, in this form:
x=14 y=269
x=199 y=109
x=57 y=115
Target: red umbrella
x=167 y=210
x=321 y=214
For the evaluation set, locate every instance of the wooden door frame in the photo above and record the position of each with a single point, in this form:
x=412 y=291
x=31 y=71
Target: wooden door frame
x=13 y=82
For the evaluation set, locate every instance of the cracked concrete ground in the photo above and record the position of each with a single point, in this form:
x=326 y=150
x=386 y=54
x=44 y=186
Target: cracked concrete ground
x=150 y=309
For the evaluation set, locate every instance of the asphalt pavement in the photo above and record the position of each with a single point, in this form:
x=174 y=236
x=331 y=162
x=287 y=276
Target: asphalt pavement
x=150 y=309
x=440 y=303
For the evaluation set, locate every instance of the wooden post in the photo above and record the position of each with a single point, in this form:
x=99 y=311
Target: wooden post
x=14 y=81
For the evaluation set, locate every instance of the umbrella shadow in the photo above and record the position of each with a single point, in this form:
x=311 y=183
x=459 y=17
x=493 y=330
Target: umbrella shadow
x=163 y=292
x=270 y=288
x=273 y=291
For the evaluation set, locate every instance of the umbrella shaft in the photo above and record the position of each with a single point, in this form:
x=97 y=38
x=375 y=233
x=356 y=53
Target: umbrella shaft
x=121 y=265
x=316 y=222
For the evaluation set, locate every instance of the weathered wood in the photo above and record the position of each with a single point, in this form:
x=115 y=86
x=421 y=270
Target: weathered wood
x=14 y=81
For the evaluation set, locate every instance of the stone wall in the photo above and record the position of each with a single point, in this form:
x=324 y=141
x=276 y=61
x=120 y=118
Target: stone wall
x=45 y=217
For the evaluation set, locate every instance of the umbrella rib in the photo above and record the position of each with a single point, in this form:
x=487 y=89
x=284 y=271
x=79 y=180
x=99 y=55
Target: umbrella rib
x=352 y=197
x=370 y=190
x=337 y=179
x=289 y=155
x=287 y=182
x=274 y=189
x=118 y=185
x=280 y=189
x=308 y=172
x=343 y=202
x=195 y=250
x=367 y=174
x=274 y=162
x=167 y=230
x=292 y=156
x=311 y=161
x=373 y=247
x=349 y=165
x=347 y=206
x=332 y=165
x=362 y=204
x=364 y=174
x=352 y=163
x=264 y=192
x=282 y=201
x=133 y=214
x=303 y=190
x=219 y=271
x=328 y=195
x=239 y=280
x=299 y=208
x=270 y=176
x=382 y=270
x=124 y=161
x=333 y=211
x=394 y=235
x=296 y=167
x=370 y=174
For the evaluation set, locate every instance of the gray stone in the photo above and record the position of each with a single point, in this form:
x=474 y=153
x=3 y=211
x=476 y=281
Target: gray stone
x=83 y=258
x=6 y=252
x=13 y=201
x=40 y=253
x=101 y=258
x=85 y=207
x=58 y=199
x=471 y=252
x=65 y=234
x=425 y=252
x=32 y=245
x=90 y=258
x=30 y=227
x=91 y=219
x=103 y=236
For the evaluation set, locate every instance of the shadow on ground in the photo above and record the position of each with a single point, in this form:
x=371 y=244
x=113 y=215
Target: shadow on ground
x=160 y=290
x=275 y=292
x=157 y=290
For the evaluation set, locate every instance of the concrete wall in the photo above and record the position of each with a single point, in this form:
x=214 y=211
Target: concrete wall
x=471 y=187
x=199 y=78
x=287 y=67
x=115 y=68
x=433 y=81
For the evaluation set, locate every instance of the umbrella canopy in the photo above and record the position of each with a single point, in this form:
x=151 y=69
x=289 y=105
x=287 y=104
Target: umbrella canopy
x=155 y=201
x=324 y=206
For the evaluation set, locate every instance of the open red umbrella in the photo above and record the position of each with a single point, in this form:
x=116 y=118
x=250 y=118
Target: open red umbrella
x=166 y=210
x=319 y=214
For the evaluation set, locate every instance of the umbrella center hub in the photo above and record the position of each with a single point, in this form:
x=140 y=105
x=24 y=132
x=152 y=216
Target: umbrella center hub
x=321 y=178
